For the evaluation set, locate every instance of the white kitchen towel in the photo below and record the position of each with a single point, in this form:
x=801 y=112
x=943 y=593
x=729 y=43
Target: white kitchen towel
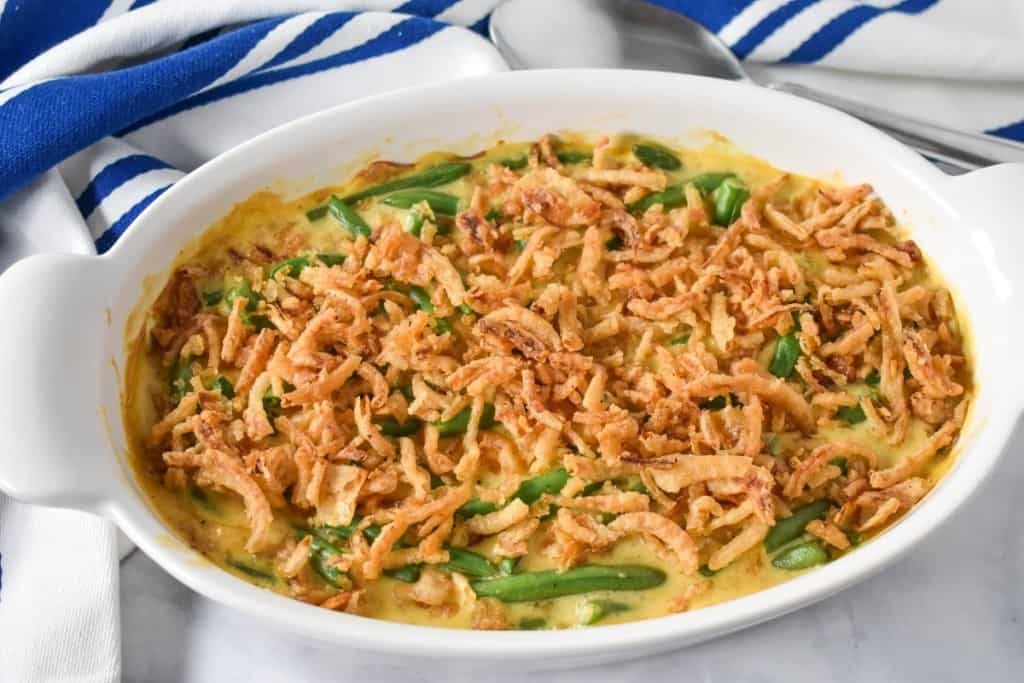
x=59 y=615
x=961 y=39
x=60 y=603
x=104 y=103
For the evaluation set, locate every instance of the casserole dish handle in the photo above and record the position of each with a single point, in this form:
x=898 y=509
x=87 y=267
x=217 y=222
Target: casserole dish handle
x=990 y=202
x=56 y=444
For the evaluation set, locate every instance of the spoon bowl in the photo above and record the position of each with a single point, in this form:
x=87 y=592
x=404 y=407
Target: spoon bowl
x=612 y=34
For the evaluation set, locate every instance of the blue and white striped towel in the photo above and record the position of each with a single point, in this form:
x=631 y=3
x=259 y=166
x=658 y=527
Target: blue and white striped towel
x=105 y=103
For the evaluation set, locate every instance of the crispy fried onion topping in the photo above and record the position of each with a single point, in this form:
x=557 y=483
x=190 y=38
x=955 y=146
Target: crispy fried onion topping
x=682 y=381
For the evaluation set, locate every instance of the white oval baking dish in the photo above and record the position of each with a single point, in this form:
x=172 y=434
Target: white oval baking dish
x=64 y=339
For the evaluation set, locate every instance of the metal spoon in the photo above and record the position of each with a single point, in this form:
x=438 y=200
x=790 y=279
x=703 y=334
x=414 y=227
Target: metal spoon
x=537 y=34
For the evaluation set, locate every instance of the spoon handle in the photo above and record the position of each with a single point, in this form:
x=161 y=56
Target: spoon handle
x=967 y=151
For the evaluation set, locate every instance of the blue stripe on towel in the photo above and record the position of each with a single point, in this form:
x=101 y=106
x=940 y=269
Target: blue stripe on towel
x=105 y=241
x=713 y=14
x=314 y=34
x=832 y=34
x=92 y=106
x=29 y=28
x=1013 y=131
x=400 y=36
x=425 y=8
x=483 y=27
x=769 y=25
x=113 y=176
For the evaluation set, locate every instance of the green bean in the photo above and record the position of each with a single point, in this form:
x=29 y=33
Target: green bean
x=529 y=492
x=292 y=267
x=657 y=156
x=706 y=571
x=439 y=202
x=570 y=158
x=421 y=298
x=467 y=562
x=873 y=379
x=333 y=533
x=414 y=222
x=434 y=176
x=343 y=532
x=223 y=385
x=851 y=414
x=714 y=403
x=520 y=245
x=459 y=423
x=532 y=623
x=787 y=350
x=435 y=481
x=331 y=259
x=545 y=585
x=349 y=219
x=321 y=550
x=592 y=488
x=271 y=405
x=774 y=445
x=442 y=326
x=474 y=507
x=615 y=243
x=802 y=556
x=410 y=573
x=258 y=322
x=841 y=463
x=464 y=309
x=593 y=610
x=406 y=390
x=200 y=497
x=460 y=560
x=785 y=530
x=181 y=378
x=709 y=182
x=671 y=197
x=315 y=214
x=252 y=299
x=249 y=570
x=639 y=487
x=243 y=290
x=515 y=163
x=211 y=297
x=551 y=482
x=728 y=199
x=508 y=565
x=390 y=426
x=442 y=174
x=679 y=340
x=493 y=214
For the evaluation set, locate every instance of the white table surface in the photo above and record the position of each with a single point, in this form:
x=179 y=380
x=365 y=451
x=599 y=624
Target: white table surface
x=953 y=610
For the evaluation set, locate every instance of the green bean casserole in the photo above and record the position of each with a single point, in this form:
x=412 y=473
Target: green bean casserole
x=576 y=381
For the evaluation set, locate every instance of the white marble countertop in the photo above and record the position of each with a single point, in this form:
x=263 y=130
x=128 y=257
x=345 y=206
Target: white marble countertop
x=953 y=610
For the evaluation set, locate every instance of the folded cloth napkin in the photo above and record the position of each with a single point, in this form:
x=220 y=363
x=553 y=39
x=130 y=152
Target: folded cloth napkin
x=105 y=103
x=150 y=89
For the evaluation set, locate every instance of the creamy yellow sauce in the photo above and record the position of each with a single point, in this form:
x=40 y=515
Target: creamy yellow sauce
x=215 y=523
